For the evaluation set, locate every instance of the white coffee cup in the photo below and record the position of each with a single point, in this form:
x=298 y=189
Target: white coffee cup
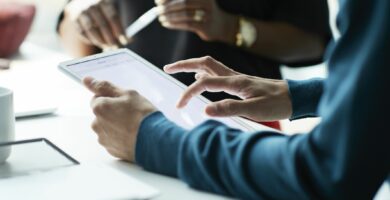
x=7 y=122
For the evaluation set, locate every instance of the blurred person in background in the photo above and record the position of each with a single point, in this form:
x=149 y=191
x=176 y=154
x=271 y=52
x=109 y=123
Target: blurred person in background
x=279 y=32
x=254 y=36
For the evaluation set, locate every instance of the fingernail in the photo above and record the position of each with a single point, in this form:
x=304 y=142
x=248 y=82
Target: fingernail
x=166 y=24
x=180 y=104
x=212 y=111
x=198 y=76
x=123 y=40
x=166 y=67
x=162 y=19
x=159 y=2
x=93 y=82
x=106 y=48
x=160 y=9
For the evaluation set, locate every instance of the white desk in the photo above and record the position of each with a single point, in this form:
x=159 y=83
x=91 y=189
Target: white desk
x=35 y=71
x=69 y=128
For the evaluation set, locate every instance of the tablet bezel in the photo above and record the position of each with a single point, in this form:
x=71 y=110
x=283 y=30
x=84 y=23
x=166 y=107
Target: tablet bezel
x=63 y=67
x=44 y=140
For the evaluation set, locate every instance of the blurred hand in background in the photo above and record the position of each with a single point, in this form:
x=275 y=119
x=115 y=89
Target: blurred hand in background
x=203 y=17
x=97 y=23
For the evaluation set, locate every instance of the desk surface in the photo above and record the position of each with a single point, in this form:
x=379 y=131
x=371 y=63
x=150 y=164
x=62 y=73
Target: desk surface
x=35 y=73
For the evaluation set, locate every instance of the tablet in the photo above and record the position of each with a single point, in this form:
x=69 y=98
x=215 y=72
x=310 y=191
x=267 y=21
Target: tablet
x=33 y=156
x=129 y=71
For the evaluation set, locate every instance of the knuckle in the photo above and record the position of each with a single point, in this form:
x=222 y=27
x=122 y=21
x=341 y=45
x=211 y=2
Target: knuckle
x=83 y=13
x=114 y=153
x=95 y=127
x=97 y=110
x=242 y=80
x=102 y=141
x=132 y=93
x=228 y=107
x=204 y=80
x=104 y=84
x=101 y=85
x=207 y=60
x=101 y=107
x=200 y=76
x=93 y=7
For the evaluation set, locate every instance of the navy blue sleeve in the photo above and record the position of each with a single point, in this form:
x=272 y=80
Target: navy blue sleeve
x=158 y=143
x=345 y=157
x=305 y=97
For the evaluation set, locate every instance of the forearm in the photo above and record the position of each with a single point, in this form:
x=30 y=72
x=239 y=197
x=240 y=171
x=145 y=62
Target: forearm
x=215 y=158
x=71 y=40
x=158 y=144
x=286 y=43
x=278 y=40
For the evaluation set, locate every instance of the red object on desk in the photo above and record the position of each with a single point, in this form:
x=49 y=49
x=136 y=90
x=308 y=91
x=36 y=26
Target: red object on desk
x=15 y=22
x=275 y=125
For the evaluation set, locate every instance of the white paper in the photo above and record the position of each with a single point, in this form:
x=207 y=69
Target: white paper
x=78 y=182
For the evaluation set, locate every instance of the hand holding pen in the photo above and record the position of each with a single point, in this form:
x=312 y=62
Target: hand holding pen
x=97 y=22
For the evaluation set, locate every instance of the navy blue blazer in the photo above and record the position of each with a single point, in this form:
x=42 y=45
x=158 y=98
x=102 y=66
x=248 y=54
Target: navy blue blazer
x=347 y=156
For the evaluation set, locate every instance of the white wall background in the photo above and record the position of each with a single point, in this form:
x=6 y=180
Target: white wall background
x=43 y=28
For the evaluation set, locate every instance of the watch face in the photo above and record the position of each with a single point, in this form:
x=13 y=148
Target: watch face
x=248 y=32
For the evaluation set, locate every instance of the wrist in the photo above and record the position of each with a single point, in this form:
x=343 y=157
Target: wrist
x=284 y=94
x=230 y=27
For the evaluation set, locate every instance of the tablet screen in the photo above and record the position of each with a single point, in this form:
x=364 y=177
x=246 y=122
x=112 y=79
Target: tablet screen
x=132 y=72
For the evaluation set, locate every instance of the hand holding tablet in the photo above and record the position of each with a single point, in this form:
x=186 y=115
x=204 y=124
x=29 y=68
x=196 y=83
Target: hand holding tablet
x=127 y=70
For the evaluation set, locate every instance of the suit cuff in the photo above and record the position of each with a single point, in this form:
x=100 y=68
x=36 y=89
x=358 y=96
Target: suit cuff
x=305 y=96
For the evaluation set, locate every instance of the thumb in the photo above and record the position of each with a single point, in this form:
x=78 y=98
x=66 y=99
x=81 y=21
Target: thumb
x=226 y=108
x=102 y=88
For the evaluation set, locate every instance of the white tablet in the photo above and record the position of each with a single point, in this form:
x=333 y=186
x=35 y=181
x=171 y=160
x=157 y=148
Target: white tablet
x=129 y=71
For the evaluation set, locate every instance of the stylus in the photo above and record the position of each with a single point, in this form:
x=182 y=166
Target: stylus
x=142 y=22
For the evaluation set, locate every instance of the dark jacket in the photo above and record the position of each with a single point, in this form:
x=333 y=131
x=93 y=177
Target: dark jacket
x=347 y=156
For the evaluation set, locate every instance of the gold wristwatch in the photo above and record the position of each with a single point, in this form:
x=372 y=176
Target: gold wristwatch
x=247 y=33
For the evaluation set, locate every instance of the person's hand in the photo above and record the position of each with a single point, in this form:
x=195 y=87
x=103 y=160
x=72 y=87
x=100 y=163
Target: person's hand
x=97 y=22
x=118 y=117
x=262 y=99
x=203 y=17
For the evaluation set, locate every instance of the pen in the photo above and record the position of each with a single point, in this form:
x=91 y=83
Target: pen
x=142 y=22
